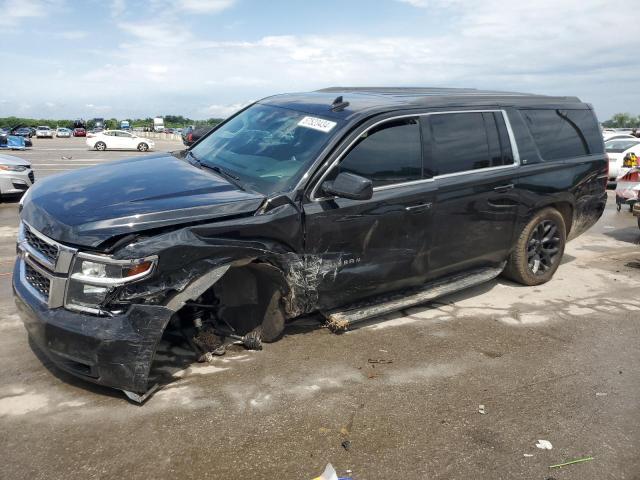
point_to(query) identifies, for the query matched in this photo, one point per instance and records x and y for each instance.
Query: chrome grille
(46, 249)
(38, 281)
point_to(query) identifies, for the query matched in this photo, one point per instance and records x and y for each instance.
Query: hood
(11, 160)
(85, 207)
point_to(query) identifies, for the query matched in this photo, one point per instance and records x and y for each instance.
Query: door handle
(422, 206)
(504, 188)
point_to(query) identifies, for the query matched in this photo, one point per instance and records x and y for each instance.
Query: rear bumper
(112, 351)
(587, 211)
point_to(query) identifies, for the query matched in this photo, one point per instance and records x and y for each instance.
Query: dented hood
(88, 206)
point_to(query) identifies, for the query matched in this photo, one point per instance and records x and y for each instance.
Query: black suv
(348, 202)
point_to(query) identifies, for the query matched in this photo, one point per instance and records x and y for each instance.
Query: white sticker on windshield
(316, 123)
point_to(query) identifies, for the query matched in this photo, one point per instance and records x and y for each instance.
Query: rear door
(358, 248)
(474, 162)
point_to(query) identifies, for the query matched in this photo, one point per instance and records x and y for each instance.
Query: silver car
(16, 175)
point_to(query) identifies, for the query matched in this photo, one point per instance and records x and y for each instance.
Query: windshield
(619, 146)
(268, 148)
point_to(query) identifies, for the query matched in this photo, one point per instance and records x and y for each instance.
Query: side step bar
(339, 320)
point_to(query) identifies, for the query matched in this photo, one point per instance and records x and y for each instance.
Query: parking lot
(398, 397)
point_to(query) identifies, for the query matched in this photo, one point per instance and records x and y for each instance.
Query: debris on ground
(544, 444)
(346, 444)
(380, 361)
(330, 474)
(632, 264)
(527, 455)
(481, 410)
(601, 394)
(571, 462)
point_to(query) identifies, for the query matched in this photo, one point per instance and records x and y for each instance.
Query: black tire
(100, 146)
(143, 147)
(538, 250)
(638, 222)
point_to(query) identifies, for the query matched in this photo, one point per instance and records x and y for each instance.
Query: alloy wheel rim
(543, 247)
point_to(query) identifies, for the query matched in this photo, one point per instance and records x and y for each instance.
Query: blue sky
(204, 58)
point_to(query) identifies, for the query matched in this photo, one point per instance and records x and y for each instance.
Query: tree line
(622, 120)
(170, 121)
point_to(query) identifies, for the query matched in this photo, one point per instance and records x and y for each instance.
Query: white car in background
(617, 149)
(63, 133)
(118, 140)
(44, 132)
(616, 136)
(16, 175)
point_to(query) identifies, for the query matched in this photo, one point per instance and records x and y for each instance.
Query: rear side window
(459, 142)
(387, 154)
(563, 133)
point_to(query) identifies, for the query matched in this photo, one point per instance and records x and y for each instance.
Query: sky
(207, 58)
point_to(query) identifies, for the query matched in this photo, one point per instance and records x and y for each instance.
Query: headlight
(93, 276)
(13, 168)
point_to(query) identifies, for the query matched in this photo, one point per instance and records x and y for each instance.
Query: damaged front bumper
(115, 351)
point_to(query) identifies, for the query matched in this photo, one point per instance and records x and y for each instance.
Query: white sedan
(44, 132)
(118, 140)
(617, 150)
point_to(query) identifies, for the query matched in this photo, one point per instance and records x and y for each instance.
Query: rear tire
(143, 147)
(101, 146)
(538, 250)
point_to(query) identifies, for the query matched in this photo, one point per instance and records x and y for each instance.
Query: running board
(339, 320)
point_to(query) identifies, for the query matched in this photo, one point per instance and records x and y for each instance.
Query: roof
(368, 100)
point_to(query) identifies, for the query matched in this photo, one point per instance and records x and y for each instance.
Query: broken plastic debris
(527, 455)
(330, 474)
(571, 462)
(544, 444)
(600, 394)
(481, 410)
(346, 444)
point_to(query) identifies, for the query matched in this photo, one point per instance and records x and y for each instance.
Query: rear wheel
(143, 147)
(101, 146)
(538, 250)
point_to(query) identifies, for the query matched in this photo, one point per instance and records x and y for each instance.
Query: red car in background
(79, 132)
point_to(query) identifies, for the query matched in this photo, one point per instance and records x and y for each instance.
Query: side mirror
(348, 185)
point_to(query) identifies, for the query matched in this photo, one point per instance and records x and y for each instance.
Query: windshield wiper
(219, 171)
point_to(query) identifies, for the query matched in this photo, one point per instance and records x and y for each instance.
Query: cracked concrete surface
(556, 362)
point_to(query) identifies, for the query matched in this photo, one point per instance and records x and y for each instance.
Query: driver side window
(386, 154)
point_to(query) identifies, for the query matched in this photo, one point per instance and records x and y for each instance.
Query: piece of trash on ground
(481, 410)
(544, 444)
(379, 360)
(601, 394)
(346, 444)
(527, 455)
(330, 474)
(571, 462)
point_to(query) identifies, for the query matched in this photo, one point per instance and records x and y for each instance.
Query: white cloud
(73, 34)
(12, 12)
(118, 7)
(205, 6)
(156, 34)
(223, 111)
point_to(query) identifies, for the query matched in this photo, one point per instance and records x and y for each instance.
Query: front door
(356, 249)
(476, 204)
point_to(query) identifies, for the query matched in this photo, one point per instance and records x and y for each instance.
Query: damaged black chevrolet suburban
(348, 202)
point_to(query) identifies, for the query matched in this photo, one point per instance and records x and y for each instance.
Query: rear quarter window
(561, 134)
